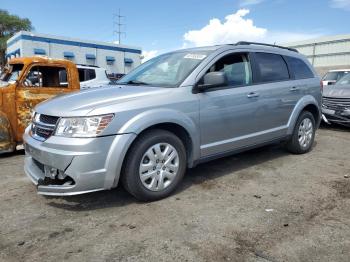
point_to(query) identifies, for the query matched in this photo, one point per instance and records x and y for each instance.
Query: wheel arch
(178, 123)
(173, 121)
(307, 103)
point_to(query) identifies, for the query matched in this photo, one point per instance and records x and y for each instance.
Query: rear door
(277, 94)
(41, 82)
(303, 79)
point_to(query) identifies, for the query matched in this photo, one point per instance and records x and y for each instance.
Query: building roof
(324, 39)
(25, 35)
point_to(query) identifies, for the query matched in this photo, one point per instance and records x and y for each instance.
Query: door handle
(252, 95)
(294, 88)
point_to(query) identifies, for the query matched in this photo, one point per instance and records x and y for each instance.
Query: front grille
(43, 126)
(51, 120)
(338, 104)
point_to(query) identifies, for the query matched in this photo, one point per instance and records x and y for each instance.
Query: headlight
(83, 126)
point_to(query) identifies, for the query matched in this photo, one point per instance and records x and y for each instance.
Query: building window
(110, 60)
(39, 51)
(128, 61)
(90, 57)
(68, 55)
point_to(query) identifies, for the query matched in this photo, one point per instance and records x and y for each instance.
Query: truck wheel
(155, 165)
(303, 135)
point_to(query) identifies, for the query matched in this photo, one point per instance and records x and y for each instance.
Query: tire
(161, 173)
(303, 137)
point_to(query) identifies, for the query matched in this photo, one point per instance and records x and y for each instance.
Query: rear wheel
(303, 135)
(154, 166)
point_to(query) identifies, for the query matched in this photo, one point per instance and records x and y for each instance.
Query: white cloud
(236, 27)
(343, 4)
(147, 55)
(244, 3)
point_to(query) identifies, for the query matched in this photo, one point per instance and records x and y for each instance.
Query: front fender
(144, 120)
(299, 107)
(7, 143)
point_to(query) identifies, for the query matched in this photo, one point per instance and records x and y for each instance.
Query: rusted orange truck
(25, 82)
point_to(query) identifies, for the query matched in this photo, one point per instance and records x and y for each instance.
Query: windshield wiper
(135, 82)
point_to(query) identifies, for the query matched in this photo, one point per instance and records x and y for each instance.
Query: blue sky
(159, 26)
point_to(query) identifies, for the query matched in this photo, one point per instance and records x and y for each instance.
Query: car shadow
(202, 174)
(335, 127)
(15, 153)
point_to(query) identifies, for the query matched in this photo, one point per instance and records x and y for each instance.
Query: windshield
(345, 80)
(11, 73)
(168, 70)
(334, 76)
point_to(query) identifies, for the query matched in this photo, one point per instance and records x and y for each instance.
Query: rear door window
(299, 68)
(271, 68)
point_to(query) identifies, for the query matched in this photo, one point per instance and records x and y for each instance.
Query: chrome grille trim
(336, 103)
(41, 130)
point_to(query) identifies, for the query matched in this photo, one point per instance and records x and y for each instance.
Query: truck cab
(24, 83)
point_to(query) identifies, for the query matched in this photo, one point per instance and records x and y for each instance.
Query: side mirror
(211, 80)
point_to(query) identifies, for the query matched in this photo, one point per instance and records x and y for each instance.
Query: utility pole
(118, 22)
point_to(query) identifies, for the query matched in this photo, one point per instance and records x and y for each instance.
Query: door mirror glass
(213, 79)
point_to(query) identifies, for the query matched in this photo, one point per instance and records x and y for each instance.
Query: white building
(117, 59)
(325, 53)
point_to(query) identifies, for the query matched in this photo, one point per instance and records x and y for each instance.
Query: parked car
(173, 112)
(92, 76)
(27, 81)
(332, 76)
(336, 102)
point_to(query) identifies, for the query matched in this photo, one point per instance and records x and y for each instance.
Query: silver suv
(171, 113)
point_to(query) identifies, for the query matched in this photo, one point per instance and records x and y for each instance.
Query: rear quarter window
(271, 68)
(299, 69)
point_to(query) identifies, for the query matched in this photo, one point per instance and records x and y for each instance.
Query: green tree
(9, 25)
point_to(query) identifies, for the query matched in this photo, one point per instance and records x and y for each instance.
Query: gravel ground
(263, 205)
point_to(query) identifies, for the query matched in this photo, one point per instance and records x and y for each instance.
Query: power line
(118, 22)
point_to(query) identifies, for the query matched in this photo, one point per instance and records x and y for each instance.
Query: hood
(337, 91)
(80, 103)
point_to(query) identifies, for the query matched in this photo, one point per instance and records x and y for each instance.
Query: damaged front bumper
(341, 117)
(69, 166)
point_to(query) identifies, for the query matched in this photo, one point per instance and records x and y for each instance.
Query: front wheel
(154, 166)
(303, 135)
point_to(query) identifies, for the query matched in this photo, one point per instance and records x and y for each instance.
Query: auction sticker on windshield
(195, 56)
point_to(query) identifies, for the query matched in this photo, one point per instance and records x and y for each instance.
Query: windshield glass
(334, 76)
(11, 73)
(345, 80)
(168, 70)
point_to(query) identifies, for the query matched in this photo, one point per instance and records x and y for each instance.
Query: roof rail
(256, 43)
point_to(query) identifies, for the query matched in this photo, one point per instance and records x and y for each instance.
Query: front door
(41, 82)
(229, 113)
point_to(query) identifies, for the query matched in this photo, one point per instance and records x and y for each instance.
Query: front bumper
(338, 117)
(92, 163)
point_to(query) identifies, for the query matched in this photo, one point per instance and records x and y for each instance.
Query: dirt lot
(263, 205)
